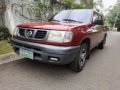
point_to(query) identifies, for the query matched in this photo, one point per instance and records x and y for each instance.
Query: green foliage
(72, 4)
(4, 33)
(41, 9)
(88, 4)
(82, 4)
(113, 17)
(40, 5)
(69, 2)
(77, 6)
(5, 47)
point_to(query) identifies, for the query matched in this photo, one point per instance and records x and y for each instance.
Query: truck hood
(52, 25)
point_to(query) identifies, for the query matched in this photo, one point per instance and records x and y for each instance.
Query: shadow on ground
(32, 66)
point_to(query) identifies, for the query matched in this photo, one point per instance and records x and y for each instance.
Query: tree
(73, 4)
(87, 4)
(113, 17)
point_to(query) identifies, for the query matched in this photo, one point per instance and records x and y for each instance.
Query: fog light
(53, 59)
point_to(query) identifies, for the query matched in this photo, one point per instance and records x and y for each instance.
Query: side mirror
(98, 22)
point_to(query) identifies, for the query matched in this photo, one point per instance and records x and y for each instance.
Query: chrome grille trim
(41, 33)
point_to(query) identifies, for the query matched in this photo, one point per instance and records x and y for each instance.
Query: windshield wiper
(71, 20)
(54, 20)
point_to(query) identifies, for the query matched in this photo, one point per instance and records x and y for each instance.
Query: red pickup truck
(66, 38)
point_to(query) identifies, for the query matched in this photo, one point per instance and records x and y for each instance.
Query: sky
(108, 3)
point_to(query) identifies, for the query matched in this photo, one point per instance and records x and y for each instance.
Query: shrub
(4, 33)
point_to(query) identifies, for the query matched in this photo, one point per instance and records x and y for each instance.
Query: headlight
(60, 36)
(15, 31)
(68, 36)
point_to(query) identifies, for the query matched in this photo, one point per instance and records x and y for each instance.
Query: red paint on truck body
(79, 30)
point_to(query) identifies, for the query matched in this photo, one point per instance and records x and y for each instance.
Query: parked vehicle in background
(66, 38)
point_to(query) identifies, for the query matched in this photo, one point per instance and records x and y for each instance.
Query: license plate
(26, 53)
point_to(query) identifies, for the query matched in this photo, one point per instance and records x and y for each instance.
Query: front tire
(78, 64)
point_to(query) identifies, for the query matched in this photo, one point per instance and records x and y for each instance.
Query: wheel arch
(87, 41)
(105, 34)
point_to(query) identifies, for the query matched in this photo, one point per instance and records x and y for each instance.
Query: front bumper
(43, 52)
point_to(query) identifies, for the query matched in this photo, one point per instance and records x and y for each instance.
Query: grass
(5, 47)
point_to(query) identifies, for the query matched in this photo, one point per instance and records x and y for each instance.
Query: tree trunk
(2, 12)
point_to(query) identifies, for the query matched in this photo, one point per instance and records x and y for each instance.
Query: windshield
(81, 16)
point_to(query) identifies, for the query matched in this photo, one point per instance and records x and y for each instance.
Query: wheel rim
(82, 57)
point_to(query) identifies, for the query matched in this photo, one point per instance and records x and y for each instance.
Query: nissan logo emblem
(29, 33)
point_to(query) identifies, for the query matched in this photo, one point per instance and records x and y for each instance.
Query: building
(21, 11)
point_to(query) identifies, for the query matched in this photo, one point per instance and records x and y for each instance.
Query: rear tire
(78, 64)
(101, 45)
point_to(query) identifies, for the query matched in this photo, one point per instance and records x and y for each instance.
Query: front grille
(22, 32)
(37, 34)
(40, 34)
